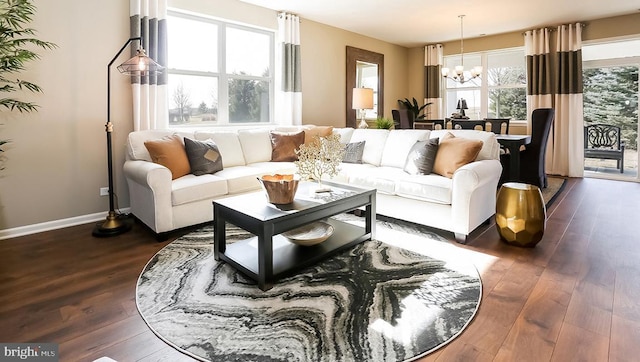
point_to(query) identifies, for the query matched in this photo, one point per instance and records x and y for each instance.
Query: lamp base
(363, 124)
(112, 226)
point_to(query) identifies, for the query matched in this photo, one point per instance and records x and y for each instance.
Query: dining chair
(467, 124)
(532, 158)
(497, 123)
(406, 118)
(395, 114)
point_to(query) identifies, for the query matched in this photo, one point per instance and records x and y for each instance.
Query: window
(500, 92)
(220, 73)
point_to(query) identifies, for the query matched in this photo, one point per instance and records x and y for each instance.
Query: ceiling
(414, 23)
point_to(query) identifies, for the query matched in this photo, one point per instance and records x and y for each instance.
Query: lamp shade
(462, 104)
(362, 98)
(140, 64)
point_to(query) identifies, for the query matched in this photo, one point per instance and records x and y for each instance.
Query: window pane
(506, 68)
(247, 52)
(248, 100)
(189, 52)
(470, 61)
(473, 102)
(193, 99)
(508, 103)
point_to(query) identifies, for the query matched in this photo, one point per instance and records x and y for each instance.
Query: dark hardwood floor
(575, 297)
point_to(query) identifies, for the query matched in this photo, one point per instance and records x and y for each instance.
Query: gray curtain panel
(148, 19)
(289, 95)
(433, 59)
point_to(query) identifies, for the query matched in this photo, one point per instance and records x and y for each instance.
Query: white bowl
(310, 234)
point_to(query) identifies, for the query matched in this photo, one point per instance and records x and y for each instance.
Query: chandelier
(458, 74)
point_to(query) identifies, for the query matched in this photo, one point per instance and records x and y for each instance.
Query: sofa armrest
(150, 193)
(474, 192)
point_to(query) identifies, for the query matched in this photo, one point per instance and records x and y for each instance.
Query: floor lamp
(139, 65)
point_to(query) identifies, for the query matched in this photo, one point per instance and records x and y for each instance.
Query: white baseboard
(54, 225)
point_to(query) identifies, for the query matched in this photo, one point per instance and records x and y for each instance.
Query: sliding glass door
(610, 76)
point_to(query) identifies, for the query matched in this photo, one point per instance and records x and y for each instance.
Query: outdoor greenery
(507, 102)
(16, 42)
(611, 97)
(245, 99)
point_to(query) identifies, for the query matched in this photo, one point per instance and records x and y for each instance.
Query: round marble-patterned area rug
(396, 298)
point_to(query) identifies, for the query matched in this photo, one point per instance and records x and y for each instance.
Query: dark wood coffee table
(270, 256)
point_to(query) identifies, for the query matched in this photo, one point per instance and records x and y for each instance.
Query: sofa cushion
(170, 153)
(136, 149)
(399, 143)
(256, 145)
(433, 188)
(192, 188)
(204, 156)
(284, 145)
(345, 134)
(490, 146)
(264, 168)
(316, 131)
(353, 152)
(421, 158)
(455, 152)
(374, 144)
(241, 178)
(229, 145)
(383, 179)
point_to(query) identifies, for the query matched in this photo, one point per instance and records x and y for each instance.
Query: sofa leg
(461, 238)
(162, 237)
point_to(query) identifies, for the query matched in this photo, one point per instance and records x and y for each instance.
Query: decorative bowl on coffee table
(310, 234)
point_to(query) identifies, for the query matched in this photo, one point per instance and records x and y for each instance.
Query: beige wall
(324, 72)
(56, 161)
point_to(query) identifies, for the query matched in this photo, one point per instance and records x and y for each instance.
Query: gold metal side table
(521, 215)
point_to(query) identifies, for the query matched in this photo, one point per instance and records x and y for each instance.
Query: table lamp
(362, 99)
(462, 105)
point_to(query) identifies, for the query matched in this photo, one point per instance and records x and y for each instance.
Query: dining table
(512, 144)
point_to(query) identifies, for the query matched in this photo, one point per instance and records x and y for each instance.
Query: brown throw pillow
(283, 146)
(317, 131)
(421, 157)
(169, 152)
(455, 152)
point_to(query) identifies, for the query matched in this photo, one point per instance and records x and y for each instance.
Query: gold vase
(521, 215)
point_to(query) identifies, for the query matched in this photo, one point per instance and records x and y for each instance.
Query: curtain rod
(554, 27)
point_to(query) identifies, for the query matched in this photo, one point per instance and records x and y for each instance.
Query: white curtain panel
(567, 154)
(433, 60)
(150, 105)
(539, 83)
(288, 78)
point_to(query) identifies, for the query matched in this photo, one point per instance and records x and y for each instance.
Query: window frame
(483, 87)
(223, 78)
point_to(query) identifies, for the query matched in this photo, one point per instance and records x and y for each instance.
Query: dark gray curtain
(148, 19)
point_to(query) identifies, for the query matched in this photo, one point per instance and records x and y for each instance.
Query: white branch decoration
(320, 157)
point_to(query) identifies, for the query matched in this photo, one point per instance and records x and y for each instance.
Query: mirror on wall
(365, 69)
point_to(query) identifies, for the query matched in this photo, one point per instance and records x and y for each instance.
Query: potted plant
(414, 108)
(16, 42)
(384, 123)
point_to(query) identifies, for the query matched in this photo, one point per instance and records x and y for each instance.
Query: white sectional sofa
(458, 204)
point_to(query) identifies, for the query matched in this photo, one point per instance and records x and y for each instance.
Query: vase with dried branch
(320, 157)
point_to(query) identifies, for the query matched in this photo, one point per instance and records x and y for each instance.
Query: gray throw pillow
(421, 157)
(353, 152)
(204, 156)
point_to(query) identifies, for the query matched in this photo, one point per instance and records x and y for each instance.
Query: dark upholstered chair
(496, 125)
(396, 118)
(532, 158)
(404, 118)
(466, 124)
